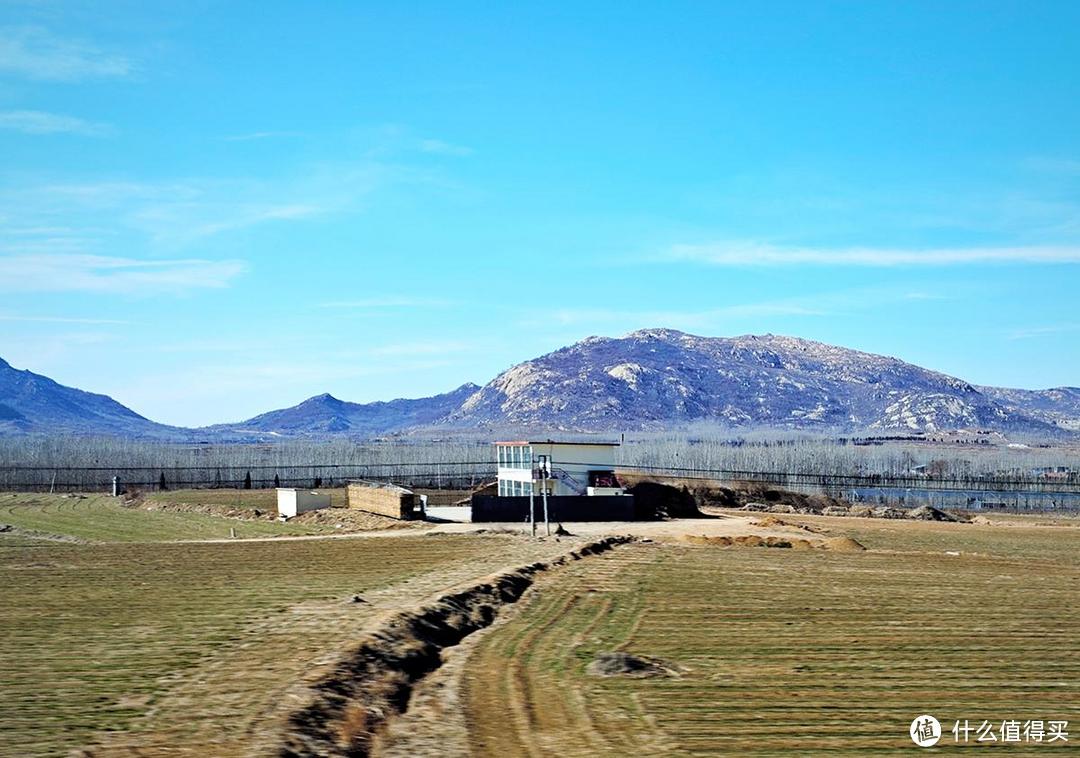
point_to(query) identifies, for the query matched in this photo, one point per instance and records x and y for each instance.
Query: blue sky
(208, 210)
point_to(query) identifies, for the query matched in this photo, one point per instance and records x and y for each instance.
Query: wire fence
(450, 475)
(1015, 494)
(794, 479)
(972, 491)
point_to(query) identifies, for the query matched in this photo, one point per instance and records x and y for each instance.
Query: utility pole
(532, 499)
(544, 472)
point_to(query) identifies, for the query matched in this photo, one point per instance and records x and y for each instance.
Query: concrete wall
(384, 499)
(291, 502)
(565, 509)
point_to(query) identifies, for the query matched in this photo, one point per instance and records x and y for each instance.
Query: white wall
(291, 502)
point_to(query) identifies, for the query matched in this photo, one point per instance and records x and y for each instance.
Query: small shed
(291, 502)
(384, 499)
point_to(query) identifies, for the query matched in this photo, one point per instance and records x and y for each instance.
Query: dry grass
(787, 651)
(98, 518)
(163, 648)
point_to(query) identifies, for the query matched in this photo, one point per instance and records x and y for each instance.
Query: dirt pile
(209, 509)
(489, 488)
(835, 544)
(922, 513)
(930, 513)
(348, 703)
(618, 663)
(754, 496)
(843, 545)
(352, 520)
(655, 500)
(771, 522)
(749, 540)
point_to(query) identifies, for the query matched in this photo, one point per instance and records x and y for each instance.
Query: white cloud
(36, 53)
(438, 147)
(40, 122)
(95, 273)
(762, 254)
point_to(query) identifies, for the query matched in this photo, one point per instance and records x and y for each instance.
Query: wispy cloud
(1023, 333)
(727, 317)
(240, 216)
(40, 122)
(438, 147)
(252, 136)
(95, 273)
(60, 320)
(389, 301)
(1053, 165)
(741, 253)
(432, 347)
(172, 215)
(36, 53)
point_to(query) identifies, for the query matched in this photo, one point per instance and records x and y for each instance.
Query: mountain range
(652, 379)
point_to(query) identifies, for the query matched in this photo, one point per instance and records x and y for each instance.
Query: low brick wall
(384, 499)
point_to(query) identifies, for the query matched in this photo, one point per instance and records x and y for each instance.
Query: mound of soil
(618, 663)
(843, 545)
(750, 540)
(930, 513)
(352, 520)
(717, 497)
(769, 521)
(701, 539)
(653, 500)
(773, 521)
(488, 488)
(888, 512)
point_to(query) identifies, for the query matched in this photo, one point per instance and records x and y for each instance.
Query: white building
(573, 468)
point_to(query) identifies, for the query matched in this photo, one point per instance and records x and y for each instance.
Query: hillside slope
(655, 378)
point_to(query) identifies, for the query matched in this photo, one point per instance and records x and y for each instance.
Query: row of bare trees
(81, 463)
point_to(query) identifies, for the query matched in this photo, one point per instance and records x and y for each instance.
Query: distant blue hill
(35, 404)
(326, 416)
(653, 379)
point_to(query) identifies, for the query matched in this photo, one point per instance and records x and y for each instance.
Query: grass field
(98, 518)
(158, 648)
(781, 650)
